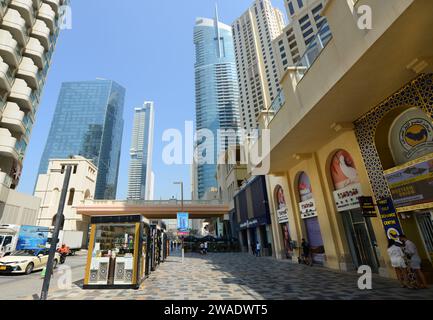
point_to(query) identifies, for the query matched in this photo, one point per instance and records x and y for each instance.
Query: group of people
(407, 263)
(203, 248)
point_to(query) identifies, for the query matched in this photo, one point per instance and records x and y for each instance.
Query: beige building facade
(81, 187)
(363, 130)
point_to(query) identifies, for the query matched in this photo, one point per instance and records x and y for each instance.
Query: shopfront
(307, 207)
(358, 228)
(118, 252)
(401, 164)
(283, 221)
(252, 208)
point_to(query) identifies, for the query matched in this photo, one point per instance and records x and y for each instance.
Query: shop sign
(389, 218)
(308, 209)
(412, 183)
(347, 198)
(283, 215)
(249, 224)
(368, 207)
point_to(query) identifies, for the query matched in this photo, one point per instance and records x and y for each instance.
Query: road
(24, 286)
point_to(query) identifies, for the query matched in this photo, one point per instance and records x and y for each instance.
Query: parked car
(26, 261)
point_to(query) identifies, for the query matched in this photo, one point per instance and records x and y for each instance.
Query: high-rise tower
(140, 184)
(217, 93)
(88, 121)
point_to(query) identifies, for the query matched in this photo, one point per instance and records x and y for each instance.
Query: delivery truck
(21, 237)
(72, 239)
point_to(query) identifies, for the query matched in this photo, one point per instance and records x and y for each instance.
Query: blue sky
(147, 47)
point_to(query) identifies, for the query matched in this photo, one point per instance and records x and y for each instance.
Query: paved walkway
(241, 276)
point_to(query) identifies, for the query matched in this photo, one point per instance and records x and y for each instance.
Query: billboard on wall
(412, 184)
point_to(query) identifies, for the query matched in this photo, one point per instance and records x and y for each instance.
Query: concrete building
(81, 187)
(258, 74)
(88, 121)
(217, 96)
(305, 22)
(231, 175)
(372, 137)
(28, 36)
(140, 184)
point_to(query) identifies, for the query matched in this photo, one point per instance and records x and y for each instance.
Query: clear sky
(147, 47)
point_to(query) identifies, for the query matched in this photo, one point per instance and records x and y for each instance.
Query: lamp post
(181, 206)
(58, 226)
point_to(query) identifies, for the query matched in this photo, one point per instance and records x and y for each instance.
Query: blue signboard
(32, 238)
(389, 218)
(183, 222)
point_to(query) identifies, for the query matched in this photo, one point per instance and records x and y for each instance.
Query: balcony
(316, 46)
(16, 25)
(3, 7)
(9, 49)
(22, 95)
(35, 51)
(30, 73)
(6, 76)
(345, 78)
(47, 15)
(41, 32)
(5, 180)
(13, 119)
(7, 144)
(26, 10)
(54, 4)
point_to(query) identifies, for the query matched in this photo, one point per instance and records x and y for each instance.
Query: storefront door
(426, 227)
(315, 239)
(360, 238)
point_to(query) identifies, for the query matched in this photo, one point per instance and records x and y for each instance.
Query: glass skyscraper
(88, 121)
(140, 182)
(217, 93)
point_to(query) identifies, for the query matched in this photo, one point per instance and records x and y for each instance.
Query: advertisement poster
(183, 223)
(32, 238)
(304, 187)
(283, 220)
(389, 218)
(412, 185)
(282, 212)
(343, 170)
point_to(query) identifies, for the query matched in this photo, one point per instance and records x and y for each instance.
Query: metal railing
(152, 203)
(5, 179)
(314, 49)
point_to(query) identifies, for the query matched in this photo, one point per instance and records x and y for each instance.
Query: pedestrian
(202, 248)
(253, 249)
(258, 248)
(412, 254)
(205, 247)
(306, 253)
(396, 255)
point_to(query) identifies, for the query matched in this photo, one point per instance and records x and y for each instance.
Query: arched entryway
(283, 221)
(307, 207)
(358, 229)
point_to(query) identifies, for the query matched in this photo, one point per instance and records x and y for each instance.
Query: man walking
(258, 248)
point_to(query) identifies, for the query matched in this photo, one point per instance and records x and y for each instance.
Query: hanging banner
(183, 223)
(389, 218)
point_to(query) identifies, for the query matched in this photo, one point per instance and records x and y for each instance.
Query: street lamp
(181, 205)
(181, 192)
